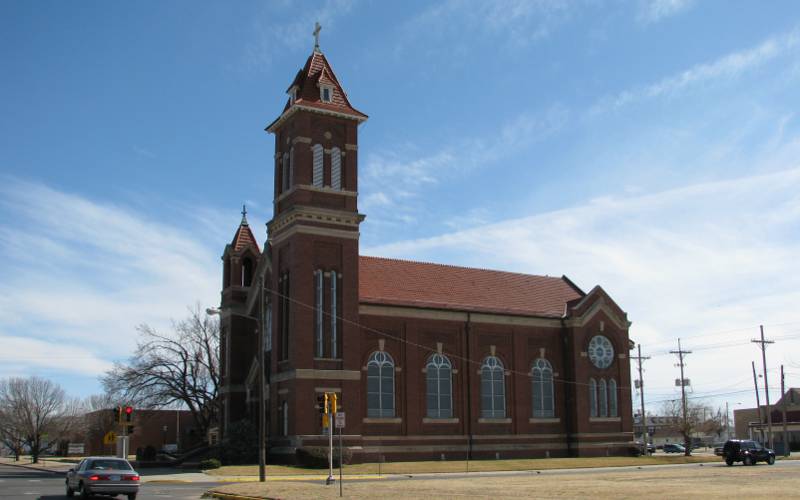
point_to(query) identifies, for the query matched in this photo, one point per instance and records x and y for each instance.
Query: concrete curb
(230, 496)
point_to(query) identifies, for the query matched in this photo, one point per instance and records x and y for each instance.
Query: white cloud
(79, 275)
(708, 257)
(726, 67)
(28, 356)
(653, 11)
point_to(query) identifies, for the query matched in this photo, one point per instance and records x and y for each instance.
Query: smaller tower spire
(317, 29)
(244, 215)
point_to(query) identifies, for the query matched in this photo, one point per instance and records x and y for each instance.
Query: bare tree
(35, 412)
(688, 426)
(98, 418)
(11, 434)
(169, 370)
(715, 423)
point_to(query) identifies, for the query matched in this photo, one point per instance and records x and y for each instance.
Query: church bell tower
(314, 236)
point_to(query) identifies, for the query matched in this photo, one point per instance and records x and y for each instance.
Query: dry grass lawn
(709, 481)
(463, 466)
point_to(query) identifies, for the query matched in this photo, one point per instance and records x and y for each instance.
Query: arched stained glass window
(380, 385)
(612, 398)
(439, 387)
(542, 381)
(493, 388)
(592, 398)
(603, 397)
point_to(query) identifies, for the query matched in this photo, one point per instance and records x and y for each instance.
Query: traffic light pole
(330, 448)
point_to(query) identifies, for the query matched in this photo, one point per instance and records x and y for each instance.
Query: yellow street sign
(110, 437)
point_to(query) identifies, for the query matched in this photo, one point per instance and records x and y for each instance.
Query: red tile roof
(437, 286)
(317, 71)
(244, 238)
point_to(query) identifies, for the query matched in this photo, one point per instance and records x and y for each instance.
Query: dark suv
(746, 451)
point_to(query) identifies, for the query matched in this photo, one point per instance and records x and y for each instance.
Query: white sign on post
(340, 420)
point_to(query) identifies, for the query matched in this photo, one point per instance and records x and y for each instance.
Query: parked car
(104, 476)
(674, 448)
(746, 451)
(650, 447)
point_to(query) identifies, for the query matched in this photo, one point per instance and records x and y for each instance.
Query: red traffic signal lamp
(128, 414)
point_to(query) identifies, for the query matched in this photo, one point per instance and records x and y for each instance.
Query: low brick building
(749, 423)
(155, 428)
(431, 361)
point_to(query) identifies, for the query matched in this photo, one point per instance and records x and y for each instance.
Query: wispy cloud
(653, 11)
(79, 275)
(284, 25)
(449, 26)
(146, 153)
(393, 177)
(726, 67)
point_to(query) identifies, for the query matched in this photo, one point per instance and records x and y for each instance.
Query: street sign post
(340, 425)
(75, 449)
(110, 437)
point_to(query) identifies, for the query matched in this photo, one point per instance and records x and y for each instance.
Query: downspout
(570, 407)
(468, 367)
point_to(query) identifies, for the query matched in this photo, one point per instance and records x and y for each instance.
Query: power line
(723, 332)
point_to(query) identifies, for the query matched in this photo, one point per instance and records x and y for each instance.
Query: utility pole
(763, 343)
(645, 438)
(262, 411)
(783, 416)
(680, 352)
(727, 423)
(758, 402)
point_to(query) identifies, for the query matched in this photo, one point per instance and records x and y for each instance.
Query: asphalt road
(20, 483)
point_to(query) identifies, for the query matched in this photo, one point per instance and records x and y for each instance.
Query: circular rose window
(601, 352)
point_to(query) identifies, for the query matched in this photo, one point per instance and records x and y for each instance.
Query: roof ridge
(453, 266)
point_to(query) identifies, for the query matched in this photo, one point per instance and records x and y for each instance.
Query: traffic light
(116, 414)
(322, 403)
(334, 399)
(128, 414)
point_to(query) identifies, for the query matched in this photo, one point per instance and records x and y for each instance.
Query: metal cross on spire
(244, 215)
(317, 29)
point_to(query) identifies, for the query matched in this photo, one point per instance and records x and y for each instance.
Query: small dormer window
(326, 94)
(292, 95)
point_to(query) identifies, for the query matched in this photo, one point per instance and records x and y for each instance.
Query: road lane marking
(34, 480)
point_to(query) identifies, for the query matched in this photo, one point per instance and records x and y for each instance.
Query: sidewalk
(43, 465)
(147, 475)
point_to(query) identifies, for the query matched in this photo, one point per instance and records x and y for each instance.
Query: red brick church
(430, 361)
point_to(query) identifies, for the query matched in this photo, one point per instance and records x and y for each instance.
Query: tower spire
(317, 29)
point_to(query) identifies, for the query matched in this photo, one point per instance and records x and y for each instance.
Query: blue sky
(650, 147)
